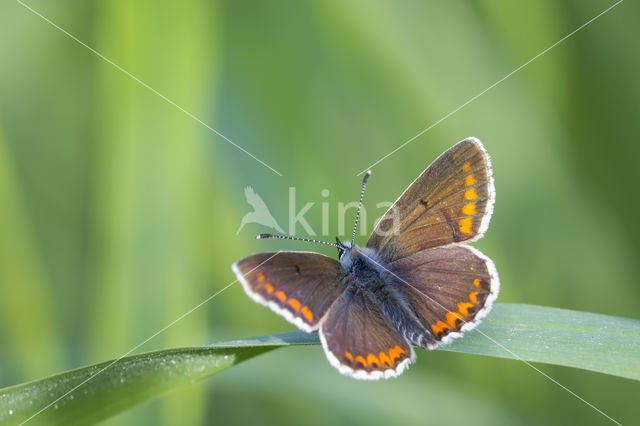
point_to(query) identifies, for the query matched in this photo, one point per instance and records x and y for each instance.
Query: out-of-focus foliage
(118, 212)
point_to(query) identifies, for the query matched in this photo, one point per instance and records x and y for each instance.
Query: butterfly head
(344, 248)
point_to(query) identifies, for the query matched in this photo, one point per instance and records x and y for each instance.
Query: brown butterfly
(415, 282)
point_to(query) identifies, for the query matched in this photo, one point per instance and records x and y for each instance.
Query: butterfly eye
(341, 247)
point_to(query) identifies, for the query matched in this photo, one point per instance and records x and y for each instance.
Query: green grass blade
(130, 381)
(601, 343)
(595, 342)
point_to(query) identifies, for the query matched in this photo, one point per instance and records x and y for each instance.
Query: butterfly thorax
(364, 266)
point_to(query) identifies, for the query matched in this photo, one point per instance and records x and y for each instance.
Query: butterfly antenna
(364, 185)
(286, 237)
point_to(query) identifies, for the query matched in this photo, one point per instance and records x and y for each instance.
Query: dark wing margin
(360, 341)
(450, 289)
(300, 286)
(451, 201)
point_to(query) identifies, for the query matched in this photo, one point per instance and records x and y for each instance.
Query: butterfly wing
(451, 201)
(360, 341)
(300, 286)
(448, 288)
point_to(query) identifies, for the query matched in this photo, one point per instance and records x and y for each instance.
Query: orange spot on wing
(294, 303)
(307, 313)
(476, 282)
(260, 277)
(372, 359)
(469, 208)
(469, 180)
(452, 317)
(463, 306)
(385, 358)
(466, 166)
(269, 288)
(470, 194)
(281, 296)
(396, 352)
(361, 360)
(464, 225)
(473, 297)
(349, 356)
(439, 326)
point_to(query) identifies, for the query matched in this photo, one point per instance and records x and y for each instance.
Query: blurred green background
(118, 212)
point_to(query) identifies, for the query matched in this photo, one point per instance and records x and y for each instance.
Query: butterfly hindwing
(451, 201)
(300, 286)
(448, 288)
(360, 341)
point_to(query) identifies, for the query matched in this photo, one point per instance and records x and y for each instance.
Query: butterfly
(416, 282)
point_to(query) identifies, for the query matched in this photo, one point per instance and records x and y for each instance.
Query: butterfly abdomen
(396, 308)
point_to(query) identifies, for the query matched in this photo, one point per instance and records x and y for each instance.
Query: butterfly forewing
(451, 201)
(360, 341)
(300, 286)
(448, 288)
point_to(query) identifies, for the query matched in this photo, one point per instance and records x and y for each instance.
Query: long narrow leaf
(595, 342)
(589, 341)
